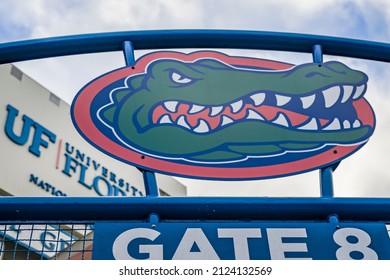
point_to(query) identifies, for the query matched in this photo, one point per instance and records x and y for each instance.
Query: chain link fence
(35, 241)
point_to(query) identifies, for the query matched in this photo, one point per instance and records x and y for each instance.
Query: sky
(363, 174)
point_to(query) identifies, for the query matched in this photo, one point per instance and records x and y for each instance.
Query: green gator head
(209, 111)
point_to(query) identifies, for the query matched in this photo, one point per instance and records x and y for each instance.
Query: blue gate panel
(241, 240)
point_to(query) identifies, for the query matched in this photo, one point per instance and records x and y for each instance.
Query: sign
(210, 115)
(240, 241)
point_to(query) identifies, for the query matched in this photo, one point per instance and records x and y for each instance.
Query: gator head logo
(210, 115)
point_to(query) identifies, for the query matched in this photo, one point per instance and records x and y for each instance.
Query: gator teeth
(346, 124)
(359, 91)
(334, 125)
(258, 98)
(171, 106)
(356, 124)
(253, 115)
(226, 120)
(331, 95)
(182, 122)
(282, 100)
(311, 125)
(347, 92)
(236, 106)
(307, 101)
(165, 119)
(216, 110)
(281, 120)
(202, 127)
(195, 109)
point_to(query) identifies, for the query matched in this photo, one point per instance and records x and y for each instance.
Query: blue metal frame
(221, 208)
(162, 39)
(193, 208)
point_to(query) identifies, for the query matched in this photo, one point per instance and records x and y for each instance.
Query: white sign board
(42, 154)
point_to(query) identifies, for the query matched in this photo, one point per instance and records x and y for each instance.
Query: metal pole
(128, 51)
(326, 180)
(192, 208)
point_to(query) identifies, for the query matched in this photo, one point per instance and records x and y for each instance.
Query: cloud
(44, 18)
(362, 174)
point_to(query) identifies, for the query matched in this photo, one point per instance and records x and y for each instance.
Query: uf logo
(211, 115)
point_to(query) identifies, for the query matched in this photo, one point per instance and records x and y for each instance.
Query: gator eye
(180, 79)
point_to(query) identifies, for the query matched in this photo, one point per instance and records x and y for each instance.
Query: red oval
(83, 122)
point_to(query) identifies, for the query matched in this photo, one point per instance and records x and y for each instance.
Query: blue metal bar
(128, 51)
(162, 39)
(317, 54)
(151, 188)
(326, 180)
(192, 208)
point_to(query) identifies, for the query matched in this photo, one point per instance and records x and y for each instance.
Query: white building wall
(68, 166)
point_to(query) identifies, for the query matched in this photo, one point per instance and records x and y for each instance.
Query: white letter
(276, 246)
(119, 248)
(195, 236)
(240, 239)
(361, 245)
